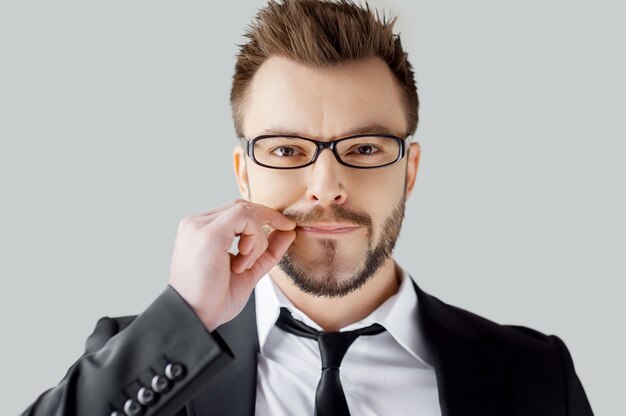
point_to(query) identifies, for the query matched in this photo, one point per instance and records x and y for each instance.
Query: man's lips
(328, 228)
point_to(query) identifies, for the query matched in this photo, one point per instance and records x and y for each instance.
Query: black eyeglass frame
(320, 145)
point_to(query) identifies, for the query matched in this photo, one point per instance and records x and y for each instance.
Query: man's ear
(241, 172)
(413, 161)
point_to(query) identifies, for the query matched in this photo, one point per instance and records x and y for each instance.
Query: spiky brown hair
(321, 33)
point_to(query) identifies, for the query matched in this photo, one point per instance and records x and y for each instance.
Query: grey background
(115, 123)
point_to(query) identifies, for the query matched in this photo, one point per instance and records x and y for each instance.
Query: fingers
(278, 243)
(252, 243)
(251, 247)
(273, 218)
(247, 221)
(246, 244)
(246, 280)
(241, 208)
(258, 264)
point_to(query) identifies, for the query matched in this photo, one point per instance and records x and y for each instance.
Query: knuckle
(241, 203)
(243, 207)
(190, 224)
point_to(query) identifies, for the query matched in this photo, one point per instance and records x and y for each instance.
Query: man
(312, 315)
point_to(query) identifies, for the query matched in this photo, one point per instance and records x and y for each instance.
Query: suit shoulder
(511, 337)
(539, 364)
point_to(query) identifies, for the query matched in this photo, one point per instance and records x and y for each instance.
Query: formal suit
(482, 368)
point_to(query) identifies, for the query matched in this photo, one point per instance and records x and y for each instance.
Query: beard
(322, 280)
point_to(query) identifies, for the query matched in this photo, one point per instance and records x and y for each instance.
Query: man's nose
(325, 184)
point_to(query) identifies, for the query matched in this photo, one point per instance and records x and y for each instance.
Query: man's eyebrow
(365, 129)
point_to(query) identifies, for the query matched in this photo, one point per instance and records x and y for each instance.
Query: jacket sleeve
(161, 358)
(577, 402)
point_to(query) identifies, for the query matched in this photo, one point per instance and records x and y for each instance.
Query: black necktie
(329, 397)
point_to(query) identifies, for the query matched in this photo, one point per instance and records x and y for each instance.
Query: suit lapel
(472, 374)
(233, 391)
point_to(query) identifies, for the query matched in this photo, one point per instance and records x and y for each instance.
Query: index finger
(273, 218)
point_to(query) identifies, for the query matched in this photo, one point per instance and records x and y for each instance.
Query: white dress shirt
(386, 374)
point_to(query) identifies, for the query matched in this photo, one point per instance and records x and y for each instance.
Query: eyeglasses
(361, 151)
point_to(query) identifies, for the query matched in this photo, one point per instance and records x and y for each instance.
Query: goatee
(327, 284)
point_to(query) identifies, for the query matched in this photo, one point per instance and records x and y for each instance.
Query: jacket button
(174, 371)
(132, 408)
(160, 383)
(146, 396)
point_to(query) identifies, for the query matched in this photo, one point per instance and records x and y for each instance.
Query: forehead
(323, 102)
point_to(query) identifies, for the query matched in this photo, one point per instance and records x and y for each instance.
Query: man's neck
(332, 314)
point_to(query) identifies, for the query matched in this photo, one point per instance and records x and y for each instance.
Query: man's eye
(365, 149)
(284, 151)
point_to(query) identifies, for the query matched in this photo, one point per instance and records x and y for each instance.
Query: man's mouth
(328, 228)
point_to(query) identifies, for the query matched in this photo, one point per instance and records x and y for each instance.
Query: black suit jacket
(482, 368)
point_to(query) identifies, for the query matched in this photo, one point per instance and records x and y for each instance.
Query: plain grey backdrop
(115, 123)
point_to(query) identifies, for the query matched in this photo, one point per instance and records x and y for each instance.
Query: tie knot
(333, 345)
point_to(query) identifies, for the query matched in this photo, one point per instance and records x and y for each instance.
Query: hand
(216, 283)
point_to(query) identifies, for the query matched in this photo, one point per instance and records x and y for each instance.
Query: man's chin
(323, 281)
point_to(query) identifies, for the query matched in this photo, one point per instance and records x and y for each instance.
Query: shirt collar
(399, 314)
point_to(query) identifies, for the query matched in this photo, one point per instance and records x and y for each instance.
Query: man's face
(348, 219)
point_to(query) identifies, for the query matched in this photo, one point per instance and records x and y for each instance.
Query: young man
(312, 315)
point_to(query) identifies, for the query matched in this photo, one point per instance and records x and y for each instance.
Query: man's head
(324, 71)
